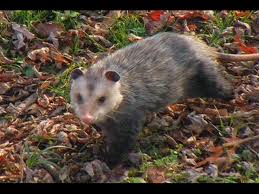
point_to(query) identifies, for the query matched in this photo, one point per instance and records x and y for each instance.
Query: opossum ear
(112, 76)
(76, 73)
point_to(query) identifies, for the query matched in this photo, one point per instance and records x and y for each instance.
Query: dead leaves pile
(37, 126)
(31, 119)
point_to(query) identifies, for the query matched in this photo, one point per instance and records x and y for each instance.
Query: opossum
(117, 92)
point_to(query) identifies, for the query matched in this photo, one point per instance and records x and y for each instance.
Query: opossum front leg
(121, 138)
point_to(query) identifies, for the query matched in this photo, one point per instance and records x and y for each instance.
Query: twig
(255, 152)
(171, 140)
(242, 141)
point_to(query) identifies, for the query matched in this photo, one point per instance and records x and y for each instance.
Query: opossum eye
(101, 99)
(79, 98)
(76, 73)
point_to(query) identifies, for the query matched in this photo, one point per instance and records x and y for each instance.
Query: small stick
(242, 141)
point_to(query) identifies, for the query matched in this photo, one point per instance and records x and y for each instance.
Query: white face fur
(98, 101)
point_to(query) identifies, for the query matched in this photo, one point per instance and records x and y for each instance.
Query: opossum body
(118, 91)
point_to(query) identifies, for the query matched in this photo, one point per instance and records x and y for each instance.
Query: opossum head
(95, 93)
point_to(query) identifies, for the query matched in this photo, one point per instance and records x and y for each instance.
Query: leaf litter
(197, 140)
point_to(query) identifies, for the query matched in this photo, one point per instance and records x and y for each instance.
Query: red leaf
(248, 50)
(243, 47)
(242, 13)
(155, 15)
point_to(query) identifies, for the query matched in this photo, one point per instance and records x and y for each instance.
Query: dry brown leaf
(177, 107)
(210, 112)
(219, 161)
(204, 143)
(45, 29)
(217, 151)
(48, 83)
(43, 101)
(26, 103)
(40, 54)
(101, 40)
(134, 38)
(185, 15)
(4, 59)
(156, 175)
(190, 161)
(4, 87)
(199, 124)
(20, 36)
(18, 94)
(23, 30)
(192, 27)
(46, 55)
(242, 13)
(3, 18)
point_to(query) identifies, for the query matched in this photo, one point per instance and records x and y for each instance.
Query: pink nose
(88, 119)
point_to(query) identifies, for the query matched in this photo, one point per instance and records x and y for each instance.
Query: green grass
(120, 30)
(43, 156)
(214, 29)
(76, 46)
(135, 180)
(29, 17)
(69, 19)
(208, 179)
(170, 163)
(164, 162)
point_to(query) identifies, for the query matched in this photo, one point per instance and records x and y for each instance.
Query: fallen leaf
(134, 38)
(154, 25)
(255, 25)
(156, 15)
(243, 47)
(217, 151)
(199, 124)
(23, 30)
(4, 87)
(178, 107)
(46, 55)
(185, 15)
(2, 110)
(190, 161)
(245, 26)
(192, 27)
(18, 41)
(46, 29)
(219, 161)
(53, 39)
(242, 13)
(26, 103)
(212, 170)
(156, 175)
(4, 59)
(101, 40)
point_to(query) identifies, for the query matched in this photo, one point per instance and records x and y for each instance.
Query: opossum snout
(88, 119)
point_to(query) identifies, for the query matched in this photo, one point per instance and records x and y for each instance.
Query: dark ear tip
(112, 76)
(76, 73)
